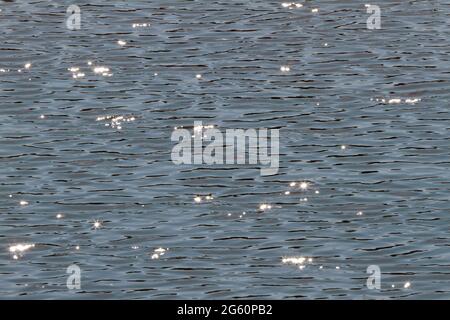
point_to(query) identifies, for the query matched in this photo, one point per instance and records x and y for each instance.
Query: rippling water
(77, 187)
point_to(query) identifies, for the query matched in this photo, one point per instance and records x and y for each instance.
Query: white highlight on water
(140, 25)
(104, 71)
(116, 121)
(21, 247)
(291, 5)
(157, 253)
(299, 261)
(293, 260)
(264, 207)
(97, 224)
(411, 101)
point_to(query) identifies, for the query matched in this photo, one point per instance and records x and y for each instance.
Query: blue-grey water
(363, 116)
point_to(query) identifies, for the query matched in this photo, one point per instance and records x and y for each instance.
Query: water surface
(58, 155)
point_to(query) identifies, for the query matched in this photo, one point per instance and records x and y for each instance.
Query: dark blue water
(341, 90)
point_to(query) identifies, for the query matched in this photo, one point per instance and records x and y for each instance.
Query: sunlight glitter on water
(293, 260)
(264, 207)
(102, 70)
(101, 170)
(157, 253)
(198, 130)
(140, 25)
(200, 199)
(76, 73)
(397, 100)
(299, 261)
(97, 224)
(116, 121)
(412, 101)
(291, 5)
(303, 185)
(19, 249)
